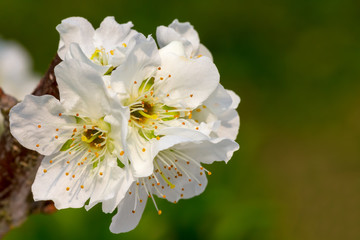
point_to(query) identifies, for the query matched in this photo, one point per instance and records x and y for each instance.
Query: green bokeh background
(295, 65)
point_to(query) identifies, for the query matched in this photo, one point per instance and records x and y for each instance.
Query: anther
(73, 176)
(133, 211)
(67, 162)
(82, 186)
(77, 114)
(51, 161)
(67, 174)
(101, 173)
(39, 126)
(60, 114)
(159, 212)
(129, 193)
(135, 82)
(159, 68)
(209, 173)
(161, 78)
(191, 95)
(67, 189)
(56, 137)
(143, 149)
(45, 170)
(124, 45)
(122, 153)
(37, 145)
(57, 129)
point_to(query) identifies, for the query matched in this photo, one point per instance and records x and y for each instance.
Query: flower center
(101, 57)
(95, 138)
(147, 112)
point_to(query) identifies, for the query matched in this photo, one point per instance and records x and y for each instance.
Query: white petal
(141, 63)
(110, 188)
(190, 183)
(219, 101)
(140, 153)
(75, 52)
(191, 81)
(187, 31)
(166, 35)
(235, 99)
(125, 220)
(118, 119)
(123, 185)
(82, 89)
(70, 184)
(230, 123)
(111, 34)
(34, 121)
(78, 30)
(209, 151)
(204, 52)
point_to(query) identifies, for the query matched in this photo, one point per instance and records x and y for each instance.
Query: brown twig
(18, 165)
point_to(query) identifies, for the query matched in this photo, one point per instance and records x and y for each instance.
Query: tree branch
(18, 165)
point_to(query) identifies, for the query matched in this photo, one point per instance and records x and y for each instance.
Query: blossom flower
(178, 174)
(185, 33)
(161, 97)
(16, 76)
(81, 137)
(219, 109)
(105, 48)
(160, 94)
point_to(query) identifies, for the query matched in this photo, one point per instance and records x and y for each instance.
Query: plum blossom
(178, 174)
(105, 48)
(219, 109)
(16, 76)
(160, 94)
(81, 136)
(165, 145)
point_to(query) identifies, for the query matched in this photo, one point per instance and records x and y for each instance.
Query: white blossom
(178, 175)
(161, 89)
(105, 48)
(219, 109)
(81, 136)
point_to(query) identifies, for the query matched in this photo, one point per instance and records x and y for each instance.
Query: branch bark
(18, 165)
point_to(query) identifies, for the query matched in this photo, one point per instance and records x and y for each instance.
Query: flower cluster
(134, 121)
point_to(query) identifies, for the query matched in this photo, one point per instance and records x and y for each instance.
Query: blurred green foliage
(295, 65)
